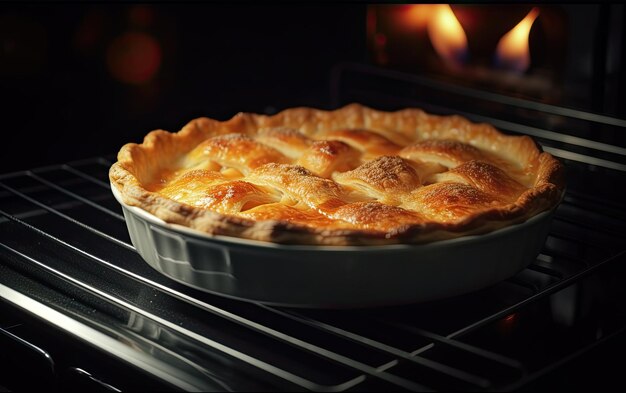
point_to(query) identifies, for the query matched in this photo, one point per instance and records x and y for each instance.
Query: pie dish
(352, 176)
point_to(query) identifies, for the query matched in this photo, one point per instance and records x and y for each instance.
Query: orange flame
(418, 15)
(447, 35)
(512, 51)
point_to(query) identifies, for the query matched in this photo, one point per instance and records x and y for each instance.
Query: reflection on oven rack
(68, 210)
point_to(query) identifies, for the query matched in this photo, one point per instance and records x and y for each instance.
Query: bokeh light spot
(134, 58)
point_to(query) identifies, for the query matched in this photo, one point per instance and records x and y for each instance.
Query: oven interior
(79, 309)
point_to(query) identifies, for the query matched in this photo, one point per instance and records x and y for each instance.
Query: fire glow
(512, 52)
(447, 35)
(450, 40)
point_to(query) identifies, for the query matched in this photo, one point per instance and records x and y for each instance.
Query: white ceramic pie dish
(333, 276)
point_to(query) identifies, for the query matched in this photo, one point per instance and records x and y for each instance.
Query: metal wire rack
(65, 255)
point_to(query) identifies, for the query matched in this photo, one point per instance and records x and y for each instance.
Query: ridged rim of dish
(237, 241)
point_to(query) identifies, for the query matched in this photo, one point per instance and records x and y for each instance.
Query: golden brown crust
(484, 177)
(325, 157)
(384, 178)
(350, 176)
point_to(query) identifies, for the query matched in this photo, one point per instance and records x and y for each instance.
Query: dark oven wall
(81, 80)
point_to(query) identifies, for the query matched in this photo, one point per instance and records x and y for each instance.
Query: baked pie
(352, 176)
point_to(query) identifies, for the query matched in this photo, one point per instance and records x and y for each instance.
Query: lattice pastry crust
(345, 177)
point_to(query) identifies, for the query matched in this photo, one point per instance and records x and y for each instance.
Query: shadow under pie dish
(345, 184)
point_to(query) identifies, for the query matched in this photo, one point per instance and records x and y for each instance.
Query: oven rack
(67, 257)
(580, 137)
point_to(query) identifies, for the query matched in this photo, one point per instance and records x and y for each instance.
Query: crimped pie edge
(160, 149)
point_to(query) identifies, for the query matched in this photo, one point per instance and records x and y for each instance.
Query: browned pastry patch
(288, 141)
(484, 177)
(447, 202)
(446, 152)
(368, 142)
(237, 151)
(385, 178)
(377, 216)
(325, 157)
